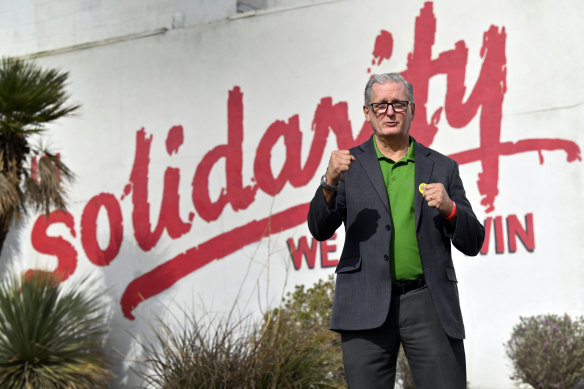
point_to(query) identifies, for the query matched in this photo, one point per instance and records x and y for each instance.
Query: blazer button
(387, 227)
(386, 257)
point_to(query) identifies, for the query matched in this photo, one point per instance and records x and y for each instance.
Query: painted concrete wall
(33, 26)
(218, 126)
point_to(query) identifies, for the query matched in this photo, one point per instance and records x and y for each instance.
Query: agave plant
(51, 336)
(30, 98)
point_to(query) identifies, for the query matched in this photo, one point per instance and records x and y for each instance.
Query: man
(402, 205)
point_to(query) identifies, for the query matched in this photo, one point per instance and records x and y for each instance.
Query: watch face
(325, 185)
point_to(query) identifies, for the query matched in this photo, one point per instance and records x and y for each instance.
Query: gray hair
(385, 78)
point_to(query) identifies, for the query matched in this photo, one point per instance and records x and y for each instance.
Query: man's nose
(390, 111)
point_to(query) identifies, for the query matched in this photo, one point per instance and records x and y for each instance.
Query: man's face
(391, 123)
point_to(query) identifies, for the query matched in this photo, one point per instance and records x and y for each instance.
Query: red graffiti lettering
(236, 194)
(262, 167)
(89, 241)
(165, 275)
(494, 225)
(485, 99)
(487, 94)
(382, 49)
(57, 246)
(174, 139)
(169, 213)
(35, 167)
(488, 226)
(303, 250)
(515, 230)
(325, 249)
(499, 238)
(327, 117)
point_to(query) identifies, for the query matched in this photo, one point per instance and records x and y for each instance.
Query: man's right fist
(338, 164)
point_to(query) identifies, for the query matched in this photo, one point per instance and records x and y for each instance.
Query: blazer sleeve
(322, 220)
(468, 233)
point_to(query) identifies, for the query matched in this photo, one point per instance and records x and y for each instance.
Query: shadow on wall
(127, 336)
(12, 249)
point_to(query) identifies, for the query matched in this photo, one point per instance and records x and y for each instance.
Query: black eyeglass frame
(373, 105)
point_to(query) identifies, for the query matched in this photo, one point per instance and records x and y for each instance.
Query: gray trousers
(436, 360)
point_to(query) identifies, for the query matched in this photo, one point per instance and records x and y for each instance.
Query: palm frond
(9, 195)
(31, 97)
(52, 175)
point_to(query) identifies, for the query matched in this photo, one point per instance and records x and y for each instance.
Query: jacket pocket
(451, 274)
(349, 264)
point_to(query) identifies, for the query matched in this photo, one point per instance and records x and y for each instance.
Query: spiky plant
(51, 336)
(30, 98)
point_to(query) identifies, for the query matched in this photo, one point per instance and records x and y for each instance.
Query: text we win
(304, 249)
(502, 234)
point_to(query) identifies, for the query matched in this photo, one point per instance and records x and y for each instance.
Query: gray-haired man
(402, 204)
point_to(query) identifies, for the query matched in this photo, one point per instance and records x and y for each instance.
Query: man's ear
(413, 108)
(366, 112)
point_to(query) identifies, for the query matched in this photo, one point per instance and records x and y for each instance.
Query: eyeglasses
(397, 106)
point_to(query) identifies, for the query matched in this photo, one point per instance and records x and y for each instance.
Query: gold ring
(431, 198)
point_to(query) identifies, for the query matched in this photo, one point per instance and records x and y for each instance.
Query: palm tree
(30, 98)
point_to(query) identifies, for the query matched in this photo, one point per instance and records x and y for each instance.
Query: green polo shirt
(399, 180)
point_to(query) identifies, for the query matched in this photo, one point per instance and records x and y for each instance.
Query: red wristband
(453, 211)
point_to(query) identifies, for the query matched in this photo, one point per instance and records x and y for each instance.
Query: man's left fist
(436, 197)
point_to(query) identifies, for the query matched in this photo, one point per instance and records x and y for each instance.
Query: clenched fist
(436, 197)
(338, 164)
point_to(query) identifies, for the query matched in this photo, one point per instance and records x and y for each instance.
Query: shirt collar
(410, 156)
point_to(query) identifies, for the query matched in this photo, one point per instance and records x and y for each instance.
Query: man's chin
(392, 132)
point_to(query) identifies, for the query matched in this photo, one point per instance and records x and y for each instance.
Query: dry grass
(291, 347)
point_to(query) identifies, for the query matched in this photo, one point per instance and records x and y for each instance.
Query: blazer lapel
(423, 173)
(368, 158)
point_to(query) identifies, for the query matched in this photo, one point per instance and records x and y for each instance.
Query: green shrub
(291, 347)
(547, 351)
(301, 325)
(311, 310)
(51, 337)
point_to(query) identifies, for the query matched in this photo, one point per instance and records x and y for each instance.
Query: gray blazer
(363, 285)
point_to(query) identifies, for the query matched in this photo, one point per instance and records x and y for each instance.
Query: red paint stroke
(510, 148)
(94, 253)
(57, 246)
(487, 94)
(383, 47)
(239, 196)
(164, 276)
(34, 167)
(169, 217)
(485, 99)
(127, 191)
(174, 139)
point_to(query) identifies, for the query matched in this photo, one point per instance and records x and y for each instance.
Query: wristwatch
(323, 184)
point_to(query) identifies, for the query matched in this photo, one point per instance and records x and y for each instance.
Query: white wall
(33, 26)
(285, 63)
